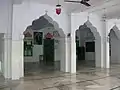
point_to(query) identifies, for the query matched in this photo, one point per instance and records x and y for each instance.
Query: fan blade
(85, 0)
(74, 1)
(85, 3)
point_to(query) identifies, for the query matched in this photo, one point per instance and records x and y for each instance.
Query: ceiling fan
(84, 2)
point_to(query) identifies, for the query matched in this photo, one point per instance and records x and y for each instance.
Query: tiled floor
(84, 79)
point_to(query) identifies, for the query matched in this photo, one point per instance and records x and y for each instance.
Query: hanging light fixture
(58, 8)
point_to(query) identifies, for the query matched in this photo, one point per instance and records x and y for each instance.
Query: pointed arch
(97, 36)
(116, 30)
(44, 22)
(114, 43)
(93, 29)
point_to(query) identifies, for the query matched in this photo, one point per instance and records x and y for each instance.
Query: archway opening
(88, 47)
(43, 46)
(85, 48)
(114, 43)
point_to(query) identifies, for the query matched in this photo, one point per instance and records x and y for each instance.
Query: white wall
(4, 16)
(6, 27)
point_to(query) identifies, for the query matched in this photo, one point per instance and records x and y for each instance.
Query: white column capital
(106, 39)
(7, 36)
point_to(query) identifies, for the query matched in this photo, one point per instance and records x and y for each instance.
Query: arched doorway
(43, 46)
(114, 40)
(88, 47)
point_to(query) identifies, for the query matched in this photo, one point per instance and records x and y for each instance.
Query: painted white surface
(4, 16)
(17, 59)
(6, 27)
(37, 50)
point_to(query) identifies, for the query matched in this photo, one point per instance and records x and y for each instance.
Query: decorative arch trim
(93, 29)
(43, 22)
(116, 30)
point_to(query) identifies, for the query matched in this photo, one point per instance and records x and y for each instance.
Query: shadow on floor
(32, 68)
(85, 64)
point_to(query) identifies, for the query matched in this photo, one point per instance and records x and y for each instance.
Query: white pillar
(105, 46)
(73, 53)
(72, 48)
(21, 62)
(69, 63)
(17, 58)
(66, 65)
(65, 54)
(98, 53)
(7, 57)
(8, 39)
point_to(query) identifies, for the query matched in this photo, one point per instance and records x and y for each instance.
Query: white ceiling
(97, 6)
(69, 6)
(111, 9)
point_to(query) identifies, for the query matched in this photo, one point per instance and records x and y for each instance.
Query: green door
(48, 51)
